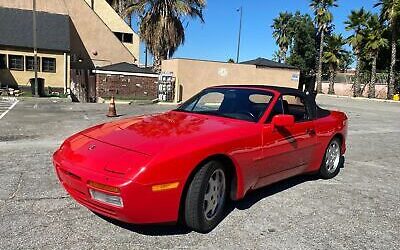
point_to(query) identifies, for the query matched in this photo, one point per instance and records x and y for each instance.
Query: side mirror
(283, 120)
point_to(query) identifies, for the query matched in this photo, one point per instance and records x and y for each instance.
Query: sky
(216, 38)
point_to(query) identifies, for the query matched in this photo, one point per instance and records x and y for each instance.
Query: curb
(130, 102)
(360, 98)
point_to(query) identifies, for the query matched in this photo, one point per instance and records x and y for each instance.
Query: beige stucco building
(57, 77)
(94, 36)
(191, 76)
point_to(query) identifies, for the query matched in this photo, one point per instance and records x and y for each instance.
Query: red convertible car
(186, 163)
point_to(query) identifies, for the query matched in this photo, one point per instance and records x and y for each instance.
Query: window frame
(44, 69)
(10, 58)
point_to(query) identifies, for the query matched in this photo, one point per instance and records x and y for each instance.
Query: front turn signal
(165, 186)
(104, 187)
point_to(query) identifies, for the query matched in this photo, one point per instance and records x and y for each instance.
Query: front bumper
(141, 205)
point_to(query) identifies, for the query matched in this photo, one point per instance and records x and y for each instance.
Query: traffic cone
(112, 112)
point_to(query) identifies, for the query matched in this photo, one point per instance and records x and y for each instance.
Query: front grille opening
(71, 174)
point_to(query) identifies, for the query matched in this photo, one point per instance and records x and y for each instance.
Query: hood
(100, 157)
(150, 134)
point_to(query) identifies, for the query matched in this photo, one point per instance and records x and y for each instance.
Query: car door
(287, 151)
(303, 131)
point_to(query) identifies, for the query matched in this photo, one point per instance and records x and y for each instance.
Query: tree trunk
(157, 64)
(332, 74)
(129, 20)
(319, 70)
(371, 89)
(284, 52)
(392, 76)
(157, 61)
(357, 85)
(120, 7)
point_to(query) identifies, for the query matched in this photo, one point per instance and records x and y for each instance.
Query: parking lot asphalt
(359, 209)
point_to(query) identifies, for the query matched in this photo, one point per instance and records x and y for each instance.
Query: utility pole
(145, 54)
(240, 33)
(35, 64)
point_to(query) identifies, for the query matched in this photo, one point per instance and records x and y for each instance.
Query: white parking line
(7, 106)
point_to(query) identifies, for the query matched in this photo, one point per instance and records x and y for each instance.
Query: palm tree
(374, 42)
(323, 19)
(277, 56)
(120, 7)
(161, 27)
(282, 27)
(390, 12)
(333, 55)
(357, 22)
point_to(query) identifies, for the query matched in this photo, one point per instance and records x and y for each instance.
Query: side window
(209, 102)
(296, 106)
(276, 110)
(259, 103)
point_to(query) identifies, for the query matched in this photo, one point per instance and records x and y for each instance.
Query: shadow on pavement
(248, 201)
(150, 229)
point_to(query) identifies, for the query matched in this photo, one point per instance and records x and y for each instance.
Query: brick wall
(132, 87)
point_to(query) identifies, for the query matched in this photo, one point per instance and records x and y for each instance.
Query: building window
(29, 65)
(3, 61)
(118, 35)
(128, 38)
(49, 65)
(16, 62)
(124, 37)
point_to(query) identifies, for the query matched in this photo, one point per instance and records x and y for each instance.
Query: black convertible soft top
(309, 98)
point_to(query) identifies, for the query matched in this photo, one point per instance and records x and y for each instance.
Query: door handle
(311, 131)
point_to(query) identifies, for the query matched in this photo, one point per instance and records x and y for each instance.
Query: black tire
(194, 212)
(325, 172)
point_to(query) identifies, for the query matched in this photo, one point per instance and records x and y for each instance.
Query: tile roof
(53, 30)
(263, 62)
(126, 68)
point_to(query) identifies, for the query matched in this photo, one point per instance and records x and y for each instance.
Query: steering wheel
(248, 113)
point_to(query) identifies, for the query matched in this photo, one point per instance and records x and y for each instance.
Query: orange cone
(112, 112)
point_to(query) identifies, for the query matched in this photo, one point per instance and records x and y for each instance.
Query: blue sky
(216, 39)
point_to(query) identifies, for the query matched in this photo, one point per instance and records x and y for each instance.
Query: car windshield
(236, 103)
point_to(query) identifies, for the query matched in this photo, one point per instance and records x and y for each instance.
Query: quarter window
(49, 65)
(29, 63)
(16, 62)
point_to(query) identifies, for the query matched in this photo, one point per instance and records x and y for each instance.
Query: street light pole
(35, 65)
(240, 33)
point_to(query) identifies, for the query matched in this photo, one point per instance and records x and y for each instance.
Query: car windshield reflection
(235, 103)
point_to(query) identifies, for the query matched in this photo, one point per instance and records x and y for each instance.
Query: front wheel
(332, 160)
(206, 197)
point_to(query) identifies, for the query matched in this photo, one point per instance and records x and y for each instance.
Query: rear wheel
(206, 197)
(332, 160)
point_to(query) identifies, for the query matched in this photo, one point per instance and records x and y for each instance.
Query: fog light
(106, 198)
